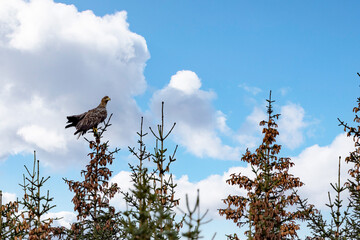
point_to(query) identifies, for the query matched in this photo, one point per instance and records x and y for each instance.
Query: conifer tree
(192, 221)
(96, 218)
(29, 223)
(353, 183)
(9, 220)
(137, 222)
(144, 218)
(337, 229)
(151, 199)
(265, 208)
(164, 184)
(344, 224)
(36, 206)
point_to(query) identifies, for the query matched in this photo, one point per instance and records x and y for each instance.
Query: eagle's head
(104, 101)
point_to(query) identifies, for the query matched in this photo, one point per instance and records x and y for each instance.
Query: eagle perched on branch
(90, 119)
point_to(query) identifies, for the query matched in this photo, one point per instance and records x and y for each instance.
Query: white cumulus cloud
(291, 125)
(43, 138)
(249, 134)
(197, 123)
(123, 179)
(317, 167)
(8, 197)
(186, 81)
(212, 190)
(57, 61)
(65, 218)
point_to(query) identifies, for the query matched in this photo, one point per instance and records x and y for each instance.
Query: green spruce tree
(25, 218)
(194, 219)
(151, 202)
(337, 229)
(344, 224)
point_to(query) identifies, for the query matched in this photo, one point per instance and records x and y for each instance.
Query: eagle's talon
(95, 131)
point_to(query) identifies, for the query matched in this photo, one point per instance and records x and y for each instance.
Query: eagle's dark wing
(91, 119)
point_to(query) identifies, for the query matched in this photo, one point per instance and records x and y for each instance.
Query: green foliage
(194, 222)
(151, 201)
(344, 224)
(35, 205)
(30, 222)
(164, 185)
(337, 229)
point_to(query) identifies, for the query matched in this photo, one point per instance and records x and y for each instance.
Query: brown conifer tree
(265, 208)
(353, 183)
(96, 218)
(9, 220)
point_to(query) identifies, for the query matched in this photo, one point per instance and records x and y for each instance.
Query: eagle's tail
(73, 120)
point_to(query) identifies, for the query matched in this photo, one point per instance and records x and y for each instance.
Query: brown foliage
(91, 200)
(269, 194)
(353, 183)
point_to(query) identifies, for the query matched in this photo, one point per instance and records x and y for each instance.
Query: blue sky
(212, 62)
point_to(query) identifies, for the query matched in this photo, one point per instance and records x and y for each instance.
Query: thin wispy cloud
(250, 89)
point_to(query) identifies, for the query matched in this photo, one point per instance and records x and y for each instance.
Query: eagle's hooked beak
(106, 99)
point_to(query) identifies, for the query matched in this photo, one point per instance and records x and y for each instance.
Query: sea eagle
(90, 119)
